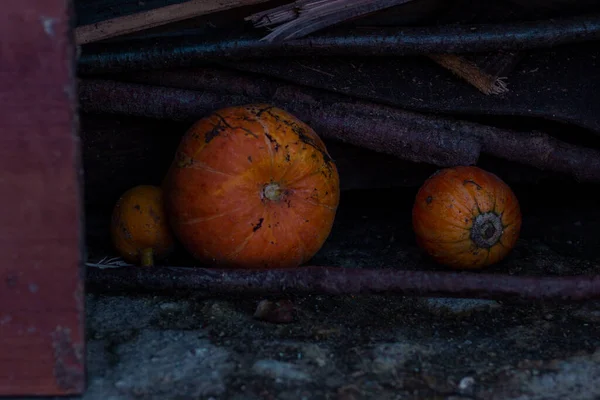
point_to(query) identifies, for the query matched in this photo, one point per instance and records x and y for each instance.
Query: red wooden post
(41, 290)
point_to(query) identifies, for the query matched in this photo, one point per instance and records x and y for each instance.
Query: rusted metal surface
(186, 50)
(41, 302)
(407, 135)
(337, 281)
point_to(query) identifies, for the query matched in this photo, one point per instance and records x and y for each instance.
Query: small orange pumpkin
(466, 218)
(139, 228)
(252, 187)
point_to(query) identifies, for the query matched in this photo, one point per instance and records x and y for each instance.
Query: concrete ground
(367, 347)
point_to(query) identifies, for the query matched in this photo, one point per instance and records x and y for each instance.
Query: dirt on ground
(367, 347)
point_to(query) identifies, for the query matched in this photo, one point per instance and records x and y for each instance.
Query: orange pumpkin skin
(139, 228)
(466, 218)
(252, 187)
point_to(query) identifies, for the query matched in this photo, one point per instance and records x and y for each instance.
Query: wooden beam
(41, 290)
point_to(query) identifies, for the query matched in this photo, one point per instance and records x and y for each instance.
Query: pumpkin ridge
(316, 203)
(478, 210)
(487, 257)
(449, 241)
(305, 136)
(290, 168)
(199, 165)
(440, 188)
(496, 194)
(464, 250)
(194, 221)
(303, 177)
(234, 128)
(301, 248)
(460, 186)
(508, 236)
(220, 125)
(241, 246)
(200, 148)
(488, 190)
(449, 222)
(269, 139)
(245, 242)
(507, 225)
(269, 147)
(191, 136)
(293, 211)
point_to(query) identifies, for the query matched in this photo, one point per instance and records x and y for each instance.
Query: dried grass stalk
(304, 17)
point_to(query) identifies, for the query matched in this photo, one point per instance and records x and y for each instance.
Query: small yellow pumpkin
(139, 228)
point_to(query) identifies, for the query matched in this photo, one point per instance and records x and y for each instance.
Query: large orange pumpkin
(252, 187)
(139, 228)
(466, 218)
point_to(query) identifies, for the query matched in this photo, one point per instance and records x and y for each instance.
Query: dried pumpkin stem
(487, 230)
(272, 191)
(147, 257)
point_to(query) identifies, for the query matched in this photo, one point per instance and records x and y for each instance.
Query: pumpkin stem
(487, 230)
(147, 257)
(272, 191)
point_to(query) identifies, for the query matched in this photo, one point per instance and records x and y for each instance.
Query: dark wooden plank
(41, 291)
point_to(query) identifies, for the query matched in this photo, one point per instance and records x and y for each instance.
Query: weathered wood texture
(120, 152)
(156, 17)
(41, 295)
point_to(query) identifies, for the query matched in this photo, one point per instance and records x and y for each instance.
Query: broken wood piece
(471, 73)
(304, 17)
(407, 135)
(156, 17)
(342, 281)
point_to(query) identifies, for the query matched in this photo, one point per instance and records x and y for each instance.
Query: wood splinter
(471, 73)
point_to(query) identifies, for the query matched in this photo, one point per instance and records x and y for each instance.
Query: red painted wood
(41, 295)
